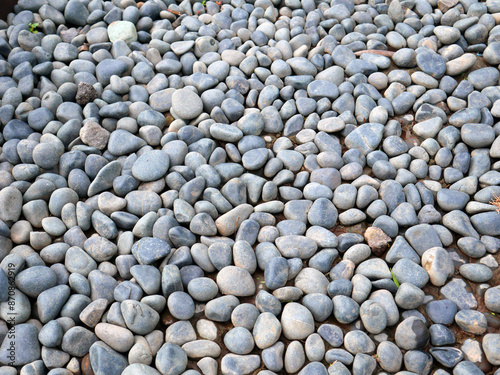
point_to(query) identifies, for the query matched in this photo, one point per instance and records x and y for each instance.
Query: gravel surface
(250, 187)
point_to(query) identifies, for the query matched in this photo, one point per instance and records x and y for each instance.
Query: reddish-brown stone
(377, 240)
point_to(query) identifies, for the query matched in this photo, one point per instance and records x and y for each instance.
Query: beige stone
(94, 135)
(446, 5)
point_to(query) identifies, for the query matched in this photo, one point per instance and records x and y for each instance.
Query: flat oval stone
(296, 246)
(407, 271)
(220, 309)
(77, 341)
(35, 280)
(151, 166)
(358, 342)
(203, 289)
(10, 204)
(431, 63)
(235, 281)
(345, 309)
(202, 348)
(477, 135)
(374, 269)
(226, 133)
(477, 273)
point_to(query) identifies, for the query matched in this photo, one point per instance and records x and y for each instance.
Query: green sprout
(32, 27)
(204, 2)
(394, 279)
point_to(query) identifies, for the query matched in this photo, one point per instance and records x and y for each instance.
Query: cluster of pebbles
(250, 187)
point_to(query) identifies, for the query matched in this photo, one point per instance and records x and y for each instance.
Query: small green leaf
(394, 279)
(492, 313)
(32, 27)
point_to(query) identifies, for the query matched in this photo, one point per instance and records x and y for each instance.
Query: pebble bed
(250, 187)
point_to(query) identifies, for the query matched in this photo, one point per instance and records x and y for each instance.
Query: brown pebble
(377, 240)
(446, 5)
(86, 366)
(94, 135)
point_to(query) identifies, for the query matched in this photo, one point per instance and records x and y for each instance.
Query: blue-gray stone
(22, 346)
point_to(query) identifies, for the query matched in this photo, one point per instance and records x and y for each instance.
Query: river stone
(122, 30)
(471, 321)
(486, 223)
(438, 264)
(310, 280)
(22, 347)
(292, 246)
(149, 249)
(168, 128)
(492, 299)
(77, 341)
(235, 281)
(139, 317)
(365, 138)
(94, 135)
(239, 364)
(456, 291)
(411, 334)
(186, 104)
(358, 342)
(266, 331)
(151, 166)
(171, 359)
(201, 348)
(105, 360)
(373, 317)
(136, 368)
(297, 321)
(10, 204)
(431, 63)
(491, 347)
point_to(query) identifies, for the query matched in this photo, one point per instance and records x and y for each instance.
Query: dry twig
(496, 202)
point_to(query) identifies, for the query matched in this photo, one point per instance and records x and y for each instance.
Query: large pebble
(297, 321)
